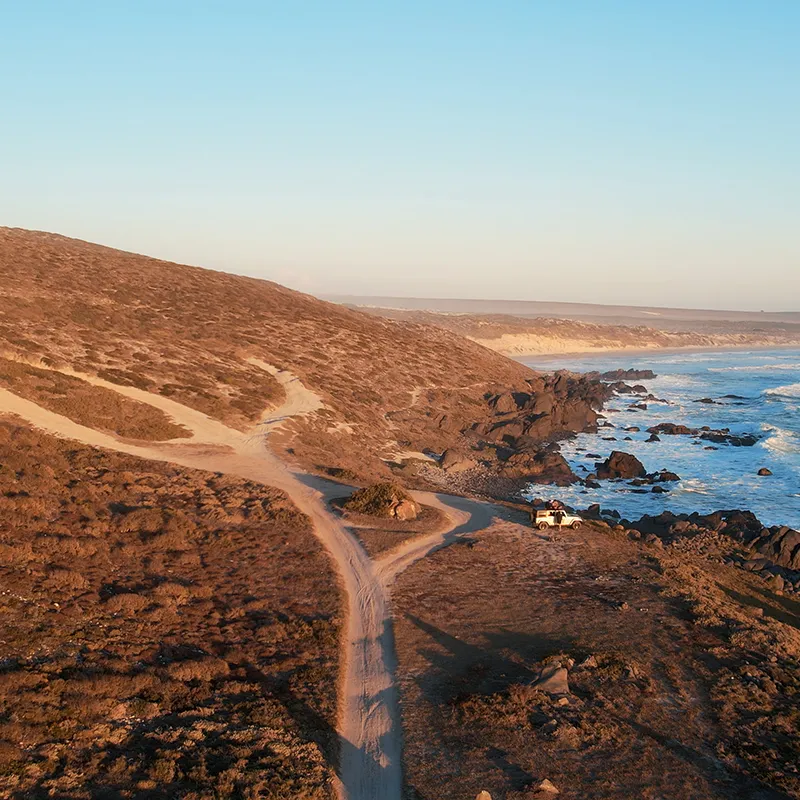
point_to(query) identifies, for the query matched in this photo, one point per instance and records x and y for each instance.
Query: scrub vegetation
(166, 632)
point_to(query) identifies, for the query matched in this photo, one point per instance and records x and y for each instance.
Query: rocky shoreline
(519, 446)
(733, 537)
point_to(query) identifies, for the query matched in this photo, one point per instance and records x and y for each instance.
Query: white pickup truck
(554, 518)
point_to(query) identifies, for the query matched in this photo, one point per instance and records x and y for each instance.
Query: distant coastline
(520, 337)
(600, 352)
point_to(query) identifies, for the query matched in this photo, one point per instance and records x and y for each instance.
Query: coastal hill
(193, 608)
(209, 340)
(655, 316)
(519, 328)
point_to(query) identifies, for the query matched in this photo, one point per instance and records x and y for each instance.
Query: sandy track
(370, 733)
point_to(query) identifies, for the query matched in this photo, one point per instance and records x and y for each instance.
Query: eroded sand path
(369, 725)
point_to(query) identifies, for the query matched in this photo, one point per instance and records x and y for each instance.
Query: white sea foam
(673, 382)
(781, 440)
(694, 486)
(790, 390)
(758, 368)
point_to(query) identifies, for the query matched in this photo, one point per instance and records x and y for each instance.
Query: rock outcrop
(778, 545)
(616, 380)
(781, 545)
(620, 465)
(722, 436)
(626, 375)
(517, 438)
(456, 461)
(554, 406)
(543, 466)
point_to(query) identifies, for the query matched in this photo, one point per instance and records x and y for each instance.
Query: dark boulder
(781, 545)
(665, 475)
(722, 436)
(544, 466)
(455, 461)
(628, 375)
(671, 429)
(620, 387)
(725, 437)
(620, 465)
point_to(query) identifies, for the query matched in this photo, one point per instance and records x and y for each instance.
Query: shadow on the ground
(783, 609)
(459, 668)
(739, 785)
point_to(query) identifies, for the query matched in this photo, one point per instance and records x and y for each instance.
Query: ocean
(767, 383)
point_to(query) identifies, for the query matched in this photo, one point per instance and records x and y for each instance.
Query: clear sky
(640, 152)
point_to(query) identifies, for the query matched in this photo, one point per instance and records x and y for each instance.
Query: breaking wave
(781, 440)
(758, 368)
(694, 486)
(790, 390)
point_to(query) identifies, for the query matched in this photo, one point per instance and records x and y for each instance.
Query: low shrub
(377, 500)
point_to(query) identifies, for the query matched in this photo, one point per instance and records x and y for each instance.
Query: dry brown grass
(187, 333)
(689, 695)
(93, 406)
(166, 632)
(387, 534)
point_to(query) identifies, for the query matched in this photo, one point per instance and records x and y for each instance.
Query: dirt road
(369, 728)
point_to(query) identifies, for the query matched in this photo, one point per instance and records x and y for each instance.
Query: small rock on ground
(553, 679)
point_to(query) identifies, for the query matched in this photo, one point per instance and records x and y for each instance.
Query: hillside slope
(206, 338)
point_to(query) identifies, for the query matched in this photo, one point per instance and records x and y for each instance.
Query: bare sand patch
(89, 402)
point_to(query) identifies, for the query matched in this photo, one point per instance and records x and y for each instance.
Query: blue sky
(597, 151)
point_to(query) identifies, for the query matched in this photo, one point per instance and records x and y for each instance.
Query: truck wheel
(543, 526)
(576, 525)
